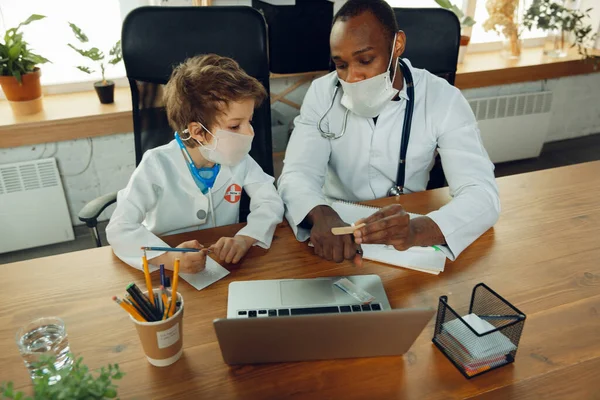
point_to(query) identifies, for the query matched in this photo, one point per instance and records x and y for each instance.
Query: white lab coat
(362, 164)
(162, 198)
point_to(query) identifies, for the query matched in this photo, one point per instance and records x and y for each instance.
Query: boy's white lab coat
(162, 198)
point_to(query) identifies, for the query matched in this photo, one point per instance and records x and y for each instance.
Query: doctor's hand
(232, 249)
(393, 226)
(189, 263)
(326, 244)
(390, 225)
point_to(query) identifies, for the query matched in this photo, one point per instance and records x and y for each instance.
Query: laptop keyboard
(282, 312)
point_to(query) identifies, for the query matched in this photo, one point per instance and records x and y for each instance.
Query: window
(100, 20)
(412, 3)
(479, 35)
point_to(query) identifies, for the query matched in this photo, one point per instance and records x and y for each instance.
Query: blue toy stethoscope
(398, 188)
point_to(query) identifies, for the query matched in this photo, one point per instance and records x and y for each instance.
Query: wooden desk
(543, 255)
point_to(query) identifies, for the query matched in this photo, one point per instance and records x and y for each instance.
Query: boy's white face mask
(368, 97)
(227, 148)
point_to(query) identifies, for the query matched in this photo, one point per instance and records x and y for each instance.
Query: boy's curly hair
(201, 88)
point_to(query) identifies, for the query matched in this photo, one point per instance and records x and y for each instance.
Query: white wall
(575, 112)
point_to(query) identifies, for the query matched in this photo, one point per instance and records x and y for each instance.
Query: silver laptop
(311, 319)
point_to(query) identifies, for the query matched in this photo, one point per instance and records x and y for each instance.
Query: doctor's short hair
(201, 88)
(379, 8)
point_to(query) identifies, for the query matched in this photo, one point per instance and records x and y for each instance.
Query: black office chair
(432, 42)
(298, 35)
(154, 40)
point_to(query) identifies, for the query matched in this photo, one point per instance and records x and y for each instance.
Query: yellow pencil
(148, 280)
(165, 301)
(174, 287)
(132, 311)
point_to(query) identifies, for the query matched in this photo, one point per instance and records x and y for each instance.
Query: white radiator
(513, 127)
(33, 208)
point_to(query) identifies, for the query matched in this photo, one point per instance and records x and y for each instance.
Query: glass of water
(45, 337)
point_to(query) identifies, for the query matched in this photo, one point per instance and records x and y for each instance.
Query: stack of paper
(474, 353)
(424, 259)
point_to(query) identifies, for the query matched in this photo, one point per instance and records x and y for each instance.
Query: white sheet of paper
(212, 273)
(423, 259)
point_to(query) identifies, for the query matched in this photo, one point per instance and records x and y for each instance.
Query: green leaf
(32, 17)
(15, 51)
(36, 59)
(116, 54)
(82, 37)
(457, 11)
(468, 21)
(17, 74)
(444, 4)
(93, 54)
(87, 70)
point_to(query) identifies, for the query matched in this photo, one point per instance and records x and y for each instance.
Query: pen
(142, 301)
(130, 301)
(174, 288)
(148, 280)
(130, 310)
(177, 249)
(162, 274)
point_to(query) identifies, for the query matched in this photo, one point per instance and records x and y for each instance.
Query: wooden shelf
(490, 68)
(80, 115)
(67, 117)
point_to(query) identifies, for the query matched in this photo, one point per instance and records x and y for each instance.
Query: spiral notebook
(423, 259)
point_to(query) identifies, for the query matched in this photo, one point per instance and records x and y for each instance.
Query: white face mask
(367, 98)
(227, 148)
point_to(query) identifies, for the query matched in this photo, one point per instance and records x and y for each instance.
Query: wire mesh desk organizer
(485, 339)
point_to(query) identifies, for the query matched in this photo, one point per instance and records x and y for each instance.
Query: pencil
(130, 310)
(174, 288)
(129, 300)
(165, 301)
(148, 280)
(176, 249)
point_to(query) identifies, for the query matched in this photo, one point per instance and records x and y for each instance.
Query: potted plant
(562, 24)
(19, 74)
(465, 22)
(104, 88)
(76, 384)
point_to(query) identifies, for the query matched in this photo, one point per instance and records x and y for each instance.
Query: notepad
(482, 348)
(212, 273)
(423, 259)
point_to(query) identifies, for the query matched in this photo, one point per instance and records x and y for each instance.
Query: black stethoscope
(398, 188)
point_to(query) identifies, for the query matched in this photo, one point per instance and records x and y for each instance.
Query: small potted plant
(104, 88)
(562, 24)
(465, 22)
(19, 74)
(77, 384)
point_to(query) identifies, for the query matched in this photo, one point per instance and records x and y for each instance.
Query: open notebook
(424, 259)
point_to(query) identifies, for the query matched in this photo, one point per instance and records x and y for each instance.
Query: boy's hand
(189, 263)
(231, 250)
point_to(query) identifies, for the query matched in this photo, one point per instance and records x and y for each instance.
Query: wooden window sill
(80, 115)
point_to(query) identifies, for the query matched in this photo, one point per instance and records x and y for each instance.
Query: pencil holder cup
(162, 341)
(485, 339)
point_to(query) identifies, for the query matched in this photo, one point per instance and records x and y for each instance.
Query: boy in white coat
(195, 181)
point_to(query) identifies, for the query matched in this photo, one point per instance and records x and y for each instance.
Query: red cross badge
(233, 194)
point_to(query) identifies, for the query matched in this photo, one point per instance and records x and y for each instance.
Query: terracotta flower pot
(26, 97)
(462, 50)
